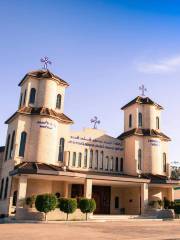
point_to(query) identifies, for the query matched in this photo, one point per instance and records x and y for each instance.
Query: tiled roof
(50, 169)
(111, 174)
(142, 100)
(144, 132)
(42, 111)
(33, 167)
(2, 149)
(44, 74)
(155, 178)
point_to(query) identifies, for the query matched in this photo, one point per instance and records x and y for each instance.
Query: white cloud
(171, 64)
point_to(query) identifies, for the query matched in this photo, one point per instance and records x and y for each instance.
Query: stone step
(113, 217)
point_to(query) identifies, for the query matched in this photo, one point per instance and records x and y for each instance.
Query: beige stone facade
(43, 155)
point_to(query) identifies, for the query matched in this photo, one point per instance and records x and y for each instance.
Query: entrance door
(101, 195)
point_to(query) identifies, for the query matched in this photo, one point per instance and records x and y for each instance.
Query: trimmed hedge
(46, 203)
(68, 205)
(87, 206)
(177, 207)
(30, 201)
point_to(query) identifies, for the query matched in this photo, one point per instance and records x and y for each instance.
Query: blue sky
(104, 48)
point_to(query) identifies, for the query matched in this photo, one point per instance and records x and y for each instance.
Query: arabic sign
(46, 124)
(90, 142)
(154, 142)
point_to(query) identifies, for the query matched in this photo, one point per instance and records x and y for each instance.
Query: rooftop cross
(143, 89)
(95, 121)
(46, 61)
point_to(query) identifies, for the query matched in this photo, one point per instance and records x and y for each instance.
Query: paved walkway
(133, 229)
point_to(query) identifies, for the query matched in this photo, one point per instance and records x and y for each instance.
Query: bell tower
(146, 147)
(38, 131)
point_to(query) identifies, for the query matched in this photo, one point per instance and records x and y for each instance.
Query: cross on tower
(46, 61)
(143, 89)
(95, 121)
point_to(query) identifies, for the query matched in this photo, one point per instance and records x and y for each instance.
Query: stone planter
(56, 215)
(166, 214)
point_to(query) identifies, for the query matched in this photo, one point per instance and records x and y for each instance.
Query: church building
(43, 155)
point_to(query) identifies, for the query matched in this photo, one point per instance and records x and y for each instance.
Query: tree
(46, 203)
(87, 206)
(68, 205)
(177, 208)
(30, 201)
(167, 203)
(175, 172)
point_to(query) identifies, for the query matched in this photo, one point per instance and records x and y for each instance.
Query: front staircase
(113, 217)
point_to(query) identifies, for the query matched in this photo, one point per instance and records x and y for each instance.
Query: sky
(105, 49)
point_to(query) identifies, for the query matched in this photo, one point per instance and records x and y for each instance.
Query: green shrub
(172, 204)
(160, 202)
(30, 201)
(151, 203)
(92, 206)
(155, 204)
(167, 203)
(87, 206)
(68, 205)
(177, 209)
(46, 203)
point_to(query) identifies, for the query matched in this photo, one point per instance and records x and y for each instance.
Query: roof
(142, 100)
(144, 132)
(156, 178)
(49, 169)
(33, 167)
(2, 149)
(42, 111)
(40, 74)
(113, 174)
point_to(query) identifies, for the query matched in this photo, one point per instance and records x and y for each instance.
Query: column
(22, 188)
(66, 159)
(66, 189)
(144, 197)
(88, 188)
(171, 194)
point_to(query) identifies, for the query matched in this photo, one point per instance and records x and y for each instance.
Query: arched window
(140, 119)
(32, 96)
(20, 101)
(6, 188)
(74, 159)
(61, 150)
(96, 159)
(121, 164)
(12, 145)
(91, 159)
(101, 160)
(111, 164)
(117, 164)
(24, 101)
(164, 162)
(14, 201)
(79, 159)
(7, 147)
(2, 188)
(116, 202)
(58, 101)
(157, 123)
(85, 157)
(107, 163)
(130, 121)
(139, 159)
(22, 144)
